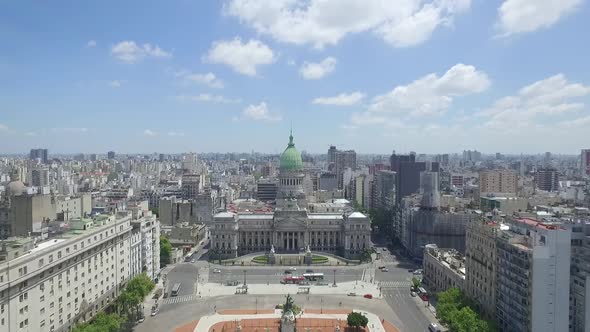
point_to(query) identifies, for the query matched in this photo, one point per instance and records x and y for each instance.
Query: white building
(52, 285)
(533, 276)
(146, 236)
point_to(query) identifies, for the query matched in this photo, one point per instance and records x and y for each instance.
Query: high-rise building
(161, 157)
(332, 154)
(344, 160)
(408, 174)
(472, 156)
(533, 277)
(497, 182)
(191, 184)
(384, 190)
(429, 190)
(93, 157)
(585, 159)
(547, 179)
(111, 155)
(39, 177)
(41, 154)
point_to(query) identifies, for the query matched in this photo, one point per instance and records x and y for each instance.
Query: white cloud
(91, 43)
(31, 134)
(116, 83)
(208, 79)
(520, 16)
(130, 52)
(315, 71)
(401, 23)
(342, 99)
(260, 112)
(205, 97)
(149, 132)
(243, 58)
(431, 95)
(3, 129)
(538, 104)
(176, 134)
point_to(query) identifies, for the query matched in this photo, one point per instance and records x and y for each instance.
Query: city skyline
(429, 77)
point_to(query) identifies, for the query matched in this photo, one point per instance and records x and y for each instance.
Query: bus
(292, 280)
(175, 289)
(313, 276)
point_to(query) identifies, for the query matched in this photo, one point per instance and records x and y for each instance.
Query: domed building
(290, 228)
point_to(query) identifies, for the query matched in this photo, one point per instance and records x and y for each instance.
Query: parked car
(413, 294)
(351, 294)
(368, 296)
(384, 269)
(381, 267)
(192, 260)
(293, 268)
(216, 271)
(141, 320)
(432, 327)
(155, 311)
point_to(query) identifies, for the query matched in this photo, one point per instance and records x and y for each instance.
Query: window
(41, 262)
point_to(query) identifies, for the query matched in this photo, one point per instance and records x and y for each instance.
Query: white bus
(175, 289)
(313, 276)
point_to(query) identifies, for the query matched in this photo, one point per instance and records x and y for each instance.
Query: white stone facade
(66, 280)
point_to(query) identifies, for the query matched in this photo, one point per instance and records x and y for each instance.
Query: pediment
(290, 223)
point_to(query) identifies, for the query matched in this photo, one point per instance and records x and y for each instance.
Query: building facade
(497, 182)
(481, 264)
(443, 269)
(547, 179)
(52, 285)
(290, 227)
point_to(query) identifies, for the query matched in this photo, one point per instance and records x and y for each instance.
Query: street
(396, 304)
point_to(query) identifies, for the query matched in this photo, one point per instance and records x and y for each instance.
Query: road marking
(395, 284)
(179, 299)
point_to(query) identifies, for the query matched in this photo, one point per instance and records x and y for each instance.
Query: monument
(271, 255)
(308, 257)
(288, 317)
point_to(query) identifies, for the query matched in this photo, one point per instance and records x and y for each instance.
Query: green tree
(366, 255)
(165, 251)
(356, 320)
(102, 323)
(466, 320)
(415, 282)
(456, 310)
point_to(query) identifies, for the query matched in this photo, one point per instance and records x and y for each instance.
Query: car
(432, 327)
(411, 270)
(216, 271)
(381, 267)
(384, 269)
(155, 311)
(192, 260)
(368, 296)
(292, 268)
(351, 294)
(287, 272)
(413, 294)
(384, 249)
(141, 320)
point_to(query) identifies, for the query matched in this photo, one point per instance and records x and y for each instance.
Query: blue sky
(430, 76)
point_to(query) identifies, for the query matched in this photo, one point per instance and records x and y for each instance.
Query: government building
(290, 228)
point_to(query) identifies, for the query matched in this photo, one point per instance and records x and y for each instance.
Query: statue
(288, 317)
(272, 249)
(271, 255)
(308, 249)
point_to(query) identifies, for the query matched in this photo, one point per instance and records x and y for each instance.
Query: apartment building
(146, 231)
(443, 269)
(497, 182)
(533, 276)
(54, 284)
(481, 264)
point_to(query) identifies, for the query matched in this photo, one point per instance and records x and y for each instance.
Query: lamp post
(334, 278)
(321, 305)
(245, 277)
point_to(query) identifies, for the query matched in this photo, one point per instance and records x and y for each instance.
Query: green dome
(291, 158)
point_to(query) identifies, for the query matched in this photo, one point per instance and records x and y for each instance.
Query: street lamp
(245, 277)
(334, 278)
(321, 305)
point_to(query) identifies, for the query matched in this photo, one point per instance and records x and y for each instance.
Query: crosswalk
(179, 299)
(395, 284)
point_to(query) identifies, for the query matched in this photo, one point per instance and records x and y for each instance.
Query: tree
(356, 320)
(456, 310)
(466, 320)
(366, 256)
(165, 251)
(415, 282)
(101, 323)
